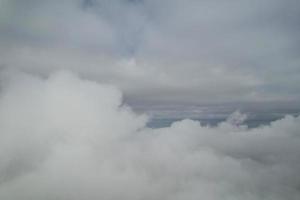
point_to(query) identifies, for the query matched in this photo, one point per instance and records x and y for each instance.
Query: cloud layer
(171, 51)
(70, 138)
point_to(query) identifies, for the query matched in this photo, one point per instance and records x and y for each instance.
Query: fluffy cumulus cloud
(161, 51)
(63, 137)
(67, 132)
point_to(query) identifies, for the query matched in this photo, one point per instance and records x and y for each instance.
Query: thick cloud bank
(63, 138)
(162, 52)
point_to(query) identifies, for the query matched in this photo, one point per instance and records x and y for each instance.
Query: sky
(80, 80)
(177, 52)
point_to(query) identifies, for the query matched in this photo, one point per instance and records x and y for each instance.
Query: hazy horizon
(149, 100)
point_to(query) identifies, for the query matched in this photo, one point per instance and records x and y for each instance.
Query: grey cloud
(66, 136)
(179, 51)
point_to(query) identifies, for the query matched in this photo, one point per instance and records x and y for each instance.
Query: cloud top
(71, 138)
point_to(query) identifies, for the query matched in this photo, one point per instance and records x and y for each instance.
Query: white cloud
(67, 138)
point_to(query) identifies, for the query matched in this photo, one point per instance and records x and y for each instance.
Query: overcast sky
(68, 133)
(174, 51)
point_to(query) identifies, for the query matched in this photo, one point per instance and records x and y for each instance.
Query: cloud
(183, 51)
(64, 137)
(70, 134)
